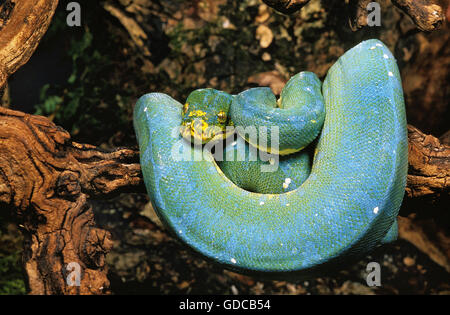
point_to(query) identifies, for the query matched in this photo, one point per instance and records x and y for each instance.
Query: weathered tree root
(46, 179)
(426, 14)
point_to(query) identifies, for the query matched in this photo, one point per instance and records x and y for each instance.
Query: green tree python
(302, 219)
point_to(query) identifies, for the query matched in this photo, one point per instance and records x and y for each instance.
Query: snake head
(205, 115)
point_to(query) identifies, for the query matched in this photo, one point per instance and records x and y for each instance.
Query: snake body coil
(347, 205)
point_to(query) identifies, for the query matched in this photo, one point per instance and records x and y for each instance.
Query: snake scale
(346, 204)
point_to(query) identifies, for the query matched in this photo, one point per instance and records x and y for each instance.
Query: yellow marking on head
(204, 126)
(197, 113)
(200, 130)
(185, 108)
(222, 116)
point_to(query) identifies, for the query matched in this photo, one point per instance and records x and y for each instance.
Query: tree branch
(429, 165)
(426, 14)
(47, 179)
(22, 25)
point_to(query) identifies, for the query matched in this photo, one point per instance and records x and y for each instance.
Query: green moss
(11, 281)
(11, 278)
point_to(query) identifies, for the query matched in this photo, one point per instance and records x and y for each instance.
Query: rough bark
(429, 166)
(426, 14)
(46, 179)
(425, 216)
(22, 25)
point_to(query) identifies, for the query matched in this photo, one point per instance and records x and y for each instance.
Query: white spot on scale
(379, 45)
(180, 231)
(372, 48)
(145, 109)
(288, 204)
(390, 74)
(385, 56)
(234, 143)
(286, 183)
(233, 260)
(261, 203)
(375, 210)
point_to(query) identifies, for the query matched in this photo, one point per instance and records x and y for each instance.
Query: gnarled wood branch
(426, 14)
(47, 179)
(424, 219)
(429, 165)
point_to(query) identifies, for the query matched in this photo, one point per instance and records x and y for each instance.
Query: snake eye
(222, 116)
(185, 108)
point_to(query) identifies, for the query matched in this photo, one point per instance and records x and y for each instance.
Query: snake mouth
(199, 132)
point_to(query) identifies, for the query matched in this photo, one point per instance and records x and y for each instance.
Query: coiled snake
(345, 205)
